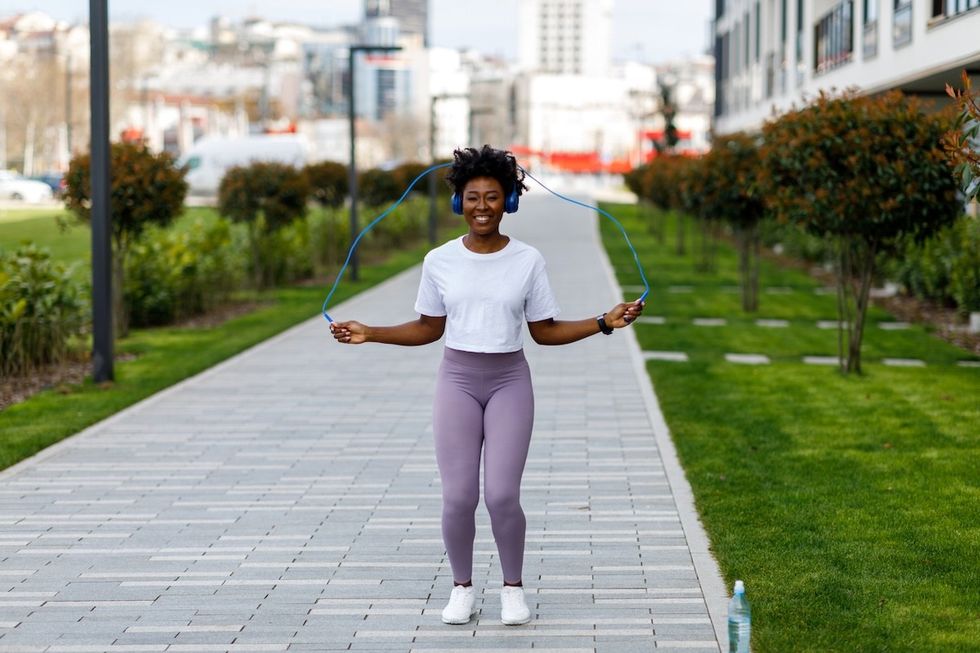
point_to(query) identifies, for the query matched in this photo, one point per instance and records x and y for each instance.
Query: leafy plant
(266, 196)
(147, 189)
(730, 192)
(378, 187)
(172, 275)
(329, 183)
(962, 142)
(41, 310)
(867, 172)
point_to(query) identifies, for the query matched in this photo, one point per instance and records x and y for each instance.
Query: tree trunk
(748, 268)
(680, 233)
(840, 263)
(865, 269)
(253, 240)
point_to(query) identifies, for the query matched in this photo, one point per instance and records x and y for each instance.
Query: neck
(485, 243)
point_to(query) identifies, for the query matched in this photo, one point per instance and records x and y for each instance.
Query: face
(483, 205)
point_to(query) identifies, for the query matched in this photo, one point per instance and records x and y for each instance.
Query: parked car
(17, 187)
(55, 180)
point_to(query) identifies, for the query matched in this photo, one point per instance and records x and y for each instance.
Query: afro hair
(470, 163)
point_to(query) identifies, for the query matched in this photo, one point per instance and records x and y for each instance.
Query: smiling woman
(479, 290)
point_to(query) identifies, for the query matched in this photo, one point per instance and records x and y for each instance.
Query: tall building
(566, 37)
(412, 15)
(769, 54)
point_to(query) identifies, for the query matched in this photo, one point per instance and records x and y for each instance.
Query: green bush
(266, 196)
(378, 187)
(172, 275)
(41, 310)
(945, 268)
(329, 183)
(329, 233)
(147, 189)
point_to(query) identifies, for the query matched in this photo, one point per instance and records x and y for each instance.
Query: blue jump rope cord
(391, 208)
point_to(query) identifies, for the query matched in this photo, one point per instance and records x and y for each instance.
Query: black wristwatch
(605, 328)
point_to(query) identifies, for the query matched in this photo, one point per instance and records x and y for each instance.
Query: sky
(643, 30)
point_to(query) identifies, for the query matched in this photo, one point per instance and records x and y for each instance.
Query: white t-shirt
(485, 297)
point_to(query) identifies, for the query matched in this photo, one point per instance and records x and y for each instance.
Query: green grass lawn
(165, 355)
(850, 506)
(71, 245)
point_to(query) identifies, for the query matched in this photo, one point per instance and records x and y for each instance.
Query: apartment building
(770, 54)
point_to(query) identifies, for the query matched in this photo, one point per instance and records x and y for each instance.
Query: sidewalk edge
(705, 565)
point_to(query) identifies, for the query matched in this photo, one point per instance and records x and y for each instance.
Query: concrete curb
(705, 565)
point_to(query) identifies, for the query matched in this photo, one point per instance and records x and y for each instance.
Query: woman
(479, 289)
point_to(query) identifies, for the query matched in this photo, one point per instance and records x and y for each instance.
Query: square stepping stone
(893, 326)
(889, 290)
(709, 321)
(903, 362)
(820, 360)
(675, 356)
(779, 290)
(731, 289)
(828, 324)
(747, 359)
(968, 363)
(639, 289)
(680, 289)
(825, 290)
(772, 324)
(651, 319)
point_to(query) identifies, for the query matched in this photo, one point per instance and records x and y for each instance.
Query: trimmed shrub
(41, 310)
(171, 276)
(266, 196)
(730, 192)
(378, 187)
(329, 183)
(147, 189)
(945, 268)
(867, 172)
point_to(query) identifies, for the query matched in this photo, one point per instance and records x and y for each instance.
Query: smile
(483, 219)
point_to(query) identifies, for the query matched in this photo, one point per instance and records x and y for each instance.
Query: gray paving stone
(289, 498)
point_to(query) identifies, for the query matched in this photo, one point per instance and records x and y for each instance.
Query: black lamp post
(102, 346)
(352, 172)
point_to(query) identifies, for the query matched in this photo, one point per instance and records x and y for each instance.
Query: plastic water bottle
(739, 621)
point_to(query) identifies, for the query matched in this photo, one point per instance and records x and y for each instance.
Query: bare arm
(562, 332)
(422, 331)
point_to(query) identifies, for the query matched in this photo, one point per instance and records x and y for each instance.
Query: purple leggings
(483, 401)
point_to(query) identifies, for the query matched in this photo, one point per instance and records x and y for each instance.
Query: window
(902, 23)
(832, 38)
(745, 39)
(758, 36)
(950, 8)
(870, 32)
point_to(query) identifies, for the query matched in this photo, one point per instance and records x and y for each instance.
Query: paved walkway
(288, 499)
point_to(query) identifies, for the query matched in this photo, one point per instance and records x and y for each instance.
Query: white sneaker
(513, 607)
(461, 606)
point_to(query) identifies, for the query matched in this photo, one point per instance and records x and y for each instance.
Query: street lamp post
(352, 172)
(102, 353)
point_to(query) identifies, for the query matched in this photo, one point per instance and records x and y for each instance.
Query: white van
(209, 158)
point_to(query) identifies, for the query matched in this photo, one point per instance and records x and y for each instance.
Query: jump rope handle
(378, 219)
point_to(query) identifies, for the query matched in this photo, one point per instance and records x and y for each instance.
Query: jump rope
(457, 204)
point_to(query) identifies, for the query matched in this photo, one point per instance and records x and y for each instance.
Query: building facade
(412, 15)
(771, 54)
(565, 37)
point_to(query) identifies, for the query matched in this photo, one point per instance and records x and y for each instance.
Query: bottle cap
(739, 587)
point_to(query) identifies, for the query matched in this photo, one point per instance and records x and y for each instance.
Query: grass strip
(850, 506)
(167, 355)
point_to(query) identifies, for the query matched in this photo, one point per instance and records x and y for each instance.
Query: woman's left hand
(622, 315)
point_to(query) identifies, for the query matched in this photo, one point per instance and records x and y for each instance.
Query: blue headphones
(510, 202)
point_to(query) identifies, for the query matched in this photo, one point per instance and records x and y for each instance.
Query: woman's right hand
(349, 333)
